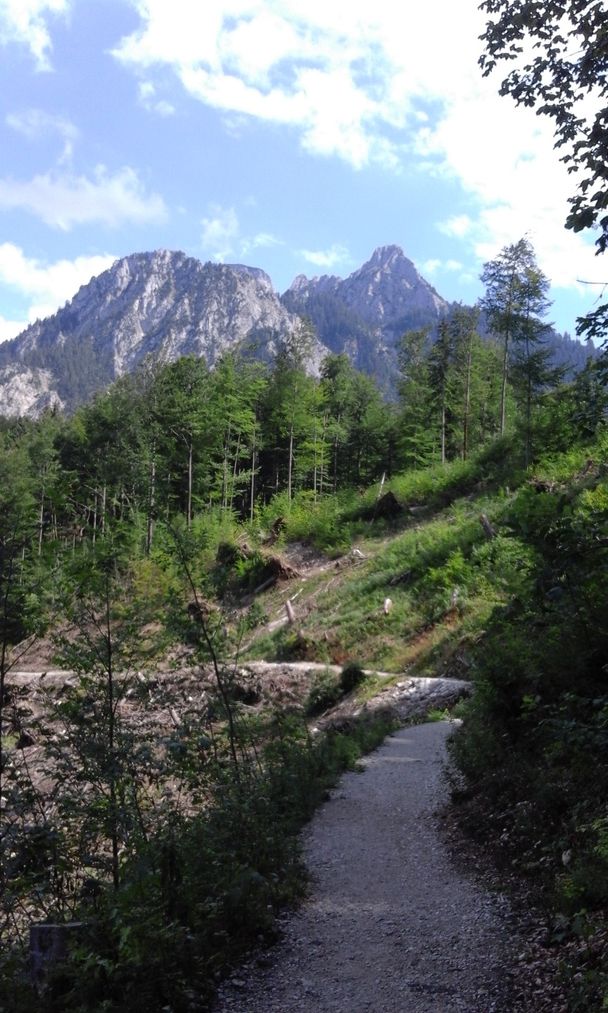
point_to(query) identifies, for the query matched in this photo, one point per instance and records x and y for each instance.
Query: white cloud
(10, 328)
(220, 232)
(384, 83)
(26, 22)
(288, 62)
(457, 225)
(32, 123)
(434, 265)
(221, 236)
(262, 240)
(63, 200)
(46, 287)
(431, 266)
(336, 254)
(150, 101)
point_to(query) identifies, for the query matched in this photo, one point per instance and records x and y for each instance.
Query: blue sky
(294, 135)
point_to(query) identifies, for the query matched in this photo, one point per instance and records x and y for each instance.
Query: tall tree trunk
(234, 469)
(467, 399)
(151, 502)
(314, 472)
(528, 440)
(189, 506)
(290, 463)
(111, 743)
(503, 386)
(104, 497)
(41, 521)
(252, 483)
(95, 518)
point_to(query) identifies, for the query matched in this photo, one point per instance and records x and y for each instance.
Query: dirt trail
(391, 925)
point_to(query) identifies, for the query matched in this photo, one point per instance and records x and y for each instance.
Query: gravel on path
(391, 925)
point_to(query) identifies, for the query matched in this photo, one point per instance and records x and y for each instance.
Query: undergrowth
(532, 750)
(203, 889)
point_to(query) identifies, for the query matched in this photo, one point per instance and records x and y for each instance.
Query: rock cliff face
(161, 304)
(365, 314)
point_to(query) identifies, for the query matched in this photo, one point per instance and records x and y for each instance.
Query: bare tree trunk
(467, 400)
(112, 743)
(41, 521)
(290, 464)
(252, 484)
(189, 506)
(503, 388)
(104, 497)
(234, 469)
(95, 519)
(151, 502)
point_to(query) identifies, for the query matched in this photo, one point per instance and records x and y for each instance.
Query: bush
(325, 691)
(351, 676)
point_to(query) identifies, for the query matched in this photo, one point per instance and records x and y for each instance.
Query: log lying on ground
(487, 526)
(410, 698)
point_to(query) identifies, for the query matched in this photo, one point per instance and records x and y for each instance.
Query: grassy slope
(524, 614)
(434, 561)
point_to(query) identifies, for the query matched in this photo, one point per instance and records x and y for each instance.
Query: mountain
(160, 304)
(365, 314)
(165, 305)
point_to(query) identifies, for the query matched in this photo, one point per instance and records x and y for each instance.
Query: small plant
(325, 691)
(351, 676)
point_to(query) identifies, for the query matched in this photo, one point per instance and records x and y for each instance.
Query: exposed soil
(393, 924)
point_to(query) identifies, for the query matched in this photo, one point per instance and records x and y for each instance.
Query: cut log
(487, 527)
(279, 568)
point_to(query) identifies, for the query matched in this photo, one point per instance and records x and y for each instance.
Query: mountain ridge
(165, 304)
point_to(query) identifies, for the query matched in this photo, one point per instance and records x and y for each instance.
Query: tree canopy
(558, 55)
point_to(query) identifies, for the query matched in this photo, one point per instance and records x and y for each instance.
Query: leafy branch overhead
(558, 55)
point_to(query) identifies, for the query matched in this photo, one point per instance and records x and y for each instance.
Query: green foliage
(325, 692)
(351, 676)
(557, 86)
(533, 743)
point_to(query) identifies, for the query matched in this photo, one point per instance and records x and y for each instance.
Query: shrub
(325, 691)
(351, 676)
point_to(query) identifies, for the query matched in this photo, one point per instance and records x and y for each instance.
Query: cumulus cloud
(34, 123)
(221, 236)
(336, 254)
(64, 200)
(355, 81)
(220, 232)
(26, 22)
(45, 287)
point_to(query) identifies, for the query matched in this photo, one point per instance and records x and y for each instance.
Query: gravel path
(391, 925)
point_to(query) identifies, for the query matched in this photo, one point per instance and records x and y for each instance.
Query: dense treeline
(179, 439)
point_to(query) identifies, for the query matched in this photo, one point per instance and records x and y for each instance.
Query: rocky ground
(392, 924)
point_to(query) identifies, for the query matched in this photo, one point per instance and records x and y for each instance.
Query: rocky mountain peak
(161, 304)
